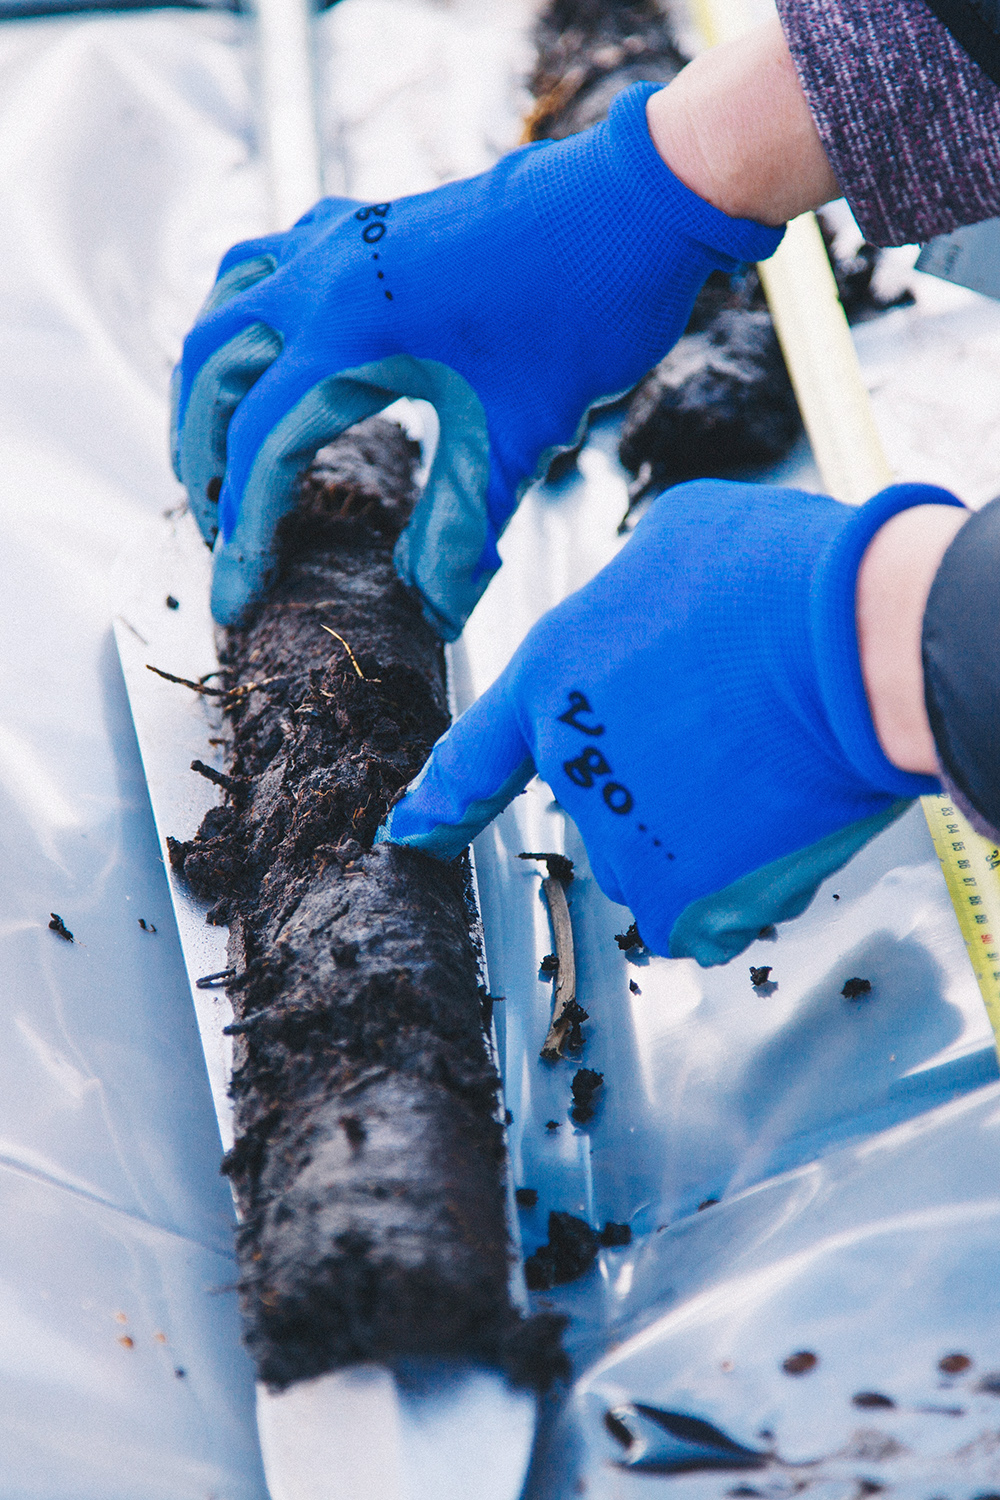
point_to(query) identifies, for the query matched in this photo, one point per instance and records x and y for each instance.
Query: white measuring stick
(286, 62)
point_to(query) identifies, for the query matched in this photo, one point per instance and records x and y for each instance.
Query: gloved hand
(698, 709)
(511, 301)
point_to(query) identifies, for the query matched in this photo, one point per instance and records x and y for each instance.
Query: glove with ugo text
(698, 709)
(511, 301)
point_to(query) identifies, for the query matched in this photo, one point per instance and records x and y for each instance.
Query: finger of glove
(280, 246)
(239, 278)
(326, 209)
(220, 385)
(447, 552)
(473, 772)
(256, 259)
(290, 413)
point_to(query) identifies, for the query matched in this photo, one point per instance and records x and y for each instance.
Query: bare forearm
(735, 127)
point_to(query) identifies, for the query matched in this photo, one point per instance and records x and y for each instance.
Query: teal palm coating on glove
(511, 301)
(698, 709)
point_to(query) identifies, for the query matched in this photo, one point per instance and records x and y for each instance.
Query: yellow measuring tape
(837, 415)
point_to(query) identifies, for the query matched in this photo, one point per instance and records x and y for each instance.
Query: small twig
(229, 696)
(196, 687)
(565, 1011)
(354, 660)
(215, 981)
(562, 930)
(305, 604)
(237, 694)
(217, 778)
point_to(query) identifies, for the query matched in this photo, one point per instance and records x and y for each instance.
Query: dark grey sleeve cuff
(910, 123)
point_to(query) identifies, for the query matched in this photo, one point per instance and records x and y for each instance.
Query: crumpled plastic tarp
(853, 1146)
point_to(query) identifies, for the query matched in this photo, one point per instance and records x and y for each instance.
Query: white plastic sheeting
(854, 1147)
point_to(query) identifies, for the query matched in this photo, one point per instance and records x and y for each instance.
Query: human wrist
(735, 127)
(960, 646)
(894, 582)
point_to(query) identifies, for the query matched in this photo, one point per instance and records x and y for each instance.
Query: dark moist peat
(369, 1160)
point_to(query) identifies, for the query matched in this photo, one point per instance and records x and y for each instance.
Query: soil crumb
(369, 1159)
(586, 1083)
(855, 988)
(58, 926)
(575, 1014)
(526, 1197)
(570, 1252)
(614, 1235)
(800, 1363)
(558, 866)
(759, 975)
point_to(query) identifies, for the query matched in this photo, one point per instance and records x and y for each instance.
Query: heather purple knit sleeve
(910, 123)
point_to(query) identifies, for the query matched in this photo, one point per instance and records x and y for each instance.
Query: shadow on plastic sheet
(867, 1042)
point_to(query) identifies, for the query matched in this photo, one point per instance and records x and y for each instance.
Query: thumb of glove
(473, 772)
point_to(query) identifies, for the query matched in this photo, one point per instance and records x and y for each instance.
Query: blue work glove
(698, 709)
(511, 301)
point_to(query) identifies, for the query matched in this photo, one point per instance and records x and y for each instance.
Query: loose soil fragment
(586, 1083)
(570, 1252)
(556, 865)
(369, 1159)
(800, 1363)
(573, 1015)
(855, 988)
(58, 926)
(614, 1235)
(759, 976)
